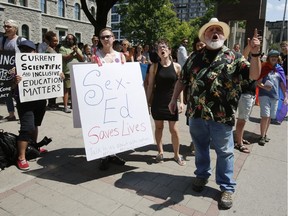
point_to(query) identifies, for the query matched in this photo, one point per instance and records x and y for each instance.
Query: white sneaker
(67, 110)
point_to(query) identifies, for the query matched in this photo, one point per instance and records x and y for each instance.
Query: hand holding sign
(40, 74)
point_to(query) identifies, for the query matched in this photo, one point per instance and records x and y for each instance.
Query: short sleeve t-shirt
(10, 44)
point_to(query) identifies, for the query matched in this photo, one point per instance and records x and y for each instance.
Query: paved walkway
(64, 183)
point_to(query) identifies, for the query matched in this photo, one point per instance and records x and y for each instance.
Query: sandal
(180, 161)
(242, 148)
(246, 142)
(159, 158)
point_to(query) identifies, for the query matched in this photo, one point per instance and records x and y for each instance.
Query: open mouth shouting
(215, 37)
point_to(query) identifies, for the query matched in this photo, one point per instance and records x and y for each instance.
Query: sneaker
(266, 138)
(23, 164)
(104, 163)
(117, 160)
(10, 118)
(43, 150)
(261, 141)
(67, 110)
(226, 200)
(199, 184)
(159, 158)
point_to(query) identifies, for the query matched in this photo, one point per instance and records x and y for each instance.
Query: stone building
(189, 9)
(275, 29)
(35, 17)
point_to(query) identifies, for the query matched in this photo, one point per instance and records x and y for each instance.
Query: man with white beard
(215, 79)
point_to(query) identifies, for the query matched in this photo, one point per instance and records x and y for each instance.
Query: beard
(69, 43)
(215, 44)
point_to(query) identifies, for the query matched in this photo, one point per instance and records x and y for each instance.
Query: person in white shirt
(182, 52)
(10, 41)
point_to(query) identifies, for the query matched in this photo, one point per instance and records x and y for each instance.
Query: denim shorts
(268, 106)
(245, 106)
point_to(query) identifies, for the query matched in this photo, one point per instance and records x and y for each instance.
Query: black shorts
(31, 114)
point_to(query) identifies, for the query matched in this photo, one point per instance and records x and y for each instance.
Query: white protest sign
(40, 74)
(112, 107)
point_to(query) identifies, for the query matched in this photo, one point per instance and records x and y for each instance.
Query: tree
(146, 21)
(103, 8)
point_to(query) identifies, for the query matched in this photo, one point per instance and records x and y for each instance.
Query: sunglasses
(106, 37)
(7, 26)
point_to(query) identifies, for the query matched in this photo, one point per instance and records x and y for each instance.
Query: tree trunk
(103, 8)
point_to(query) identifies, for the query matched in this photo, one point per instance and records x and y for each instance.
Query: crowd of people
(213, 81)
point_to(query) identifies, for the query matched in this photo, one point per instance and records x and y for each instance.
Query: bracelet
(256, 54)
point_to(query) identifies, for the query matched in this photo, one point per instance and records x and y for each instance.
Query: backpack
(18, 41)
(8, 149)
(9, 152)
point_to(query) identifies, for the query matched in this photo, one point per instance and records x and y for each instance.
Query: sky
(275, 10)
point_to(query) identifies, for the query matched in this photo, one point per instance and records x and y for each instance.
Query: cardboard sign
(40, 74)
(7, 62)
(111, 108)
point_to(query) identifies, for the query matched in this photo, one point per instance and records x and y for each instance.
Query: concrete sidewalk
(62, 182)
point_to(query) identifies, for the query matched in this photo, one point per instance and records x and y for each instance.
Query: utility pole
(283, 23)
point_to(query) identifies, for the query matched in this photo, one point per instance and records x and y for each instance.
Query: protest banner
(40, 74)
(112, 108)
(7, 62)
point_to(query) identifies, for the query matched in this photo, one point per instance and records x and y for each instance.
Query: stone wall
(36, 20)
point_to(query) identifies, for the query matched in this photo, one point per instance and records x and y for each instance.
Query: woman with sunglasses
(106, 54)
(127, 50)
(162, 78)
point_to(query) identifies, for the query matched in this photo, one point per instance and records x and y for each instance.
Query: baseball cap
(27, 43)
(273, 53)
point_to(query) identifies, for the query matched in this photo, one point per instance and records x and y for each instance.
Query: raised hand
(255, 43)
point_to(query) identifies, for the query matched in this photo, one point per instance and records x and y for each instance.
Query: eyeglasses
(7, 26)
(124, 44)
(106, 37)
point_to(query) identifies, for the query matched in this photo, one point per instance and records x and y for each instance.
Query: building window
(61, 8)
(116, 35)
(77, 11)
(23, 3)
(44, 30)
(93, 11)
(44, 6)
(78, 36)
(11, 1)
(115, 18)
(62, 35)
(114, 9)
(25, 31)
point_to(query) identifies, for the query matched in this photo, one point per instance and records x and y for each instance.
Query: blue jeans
(204, 133)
